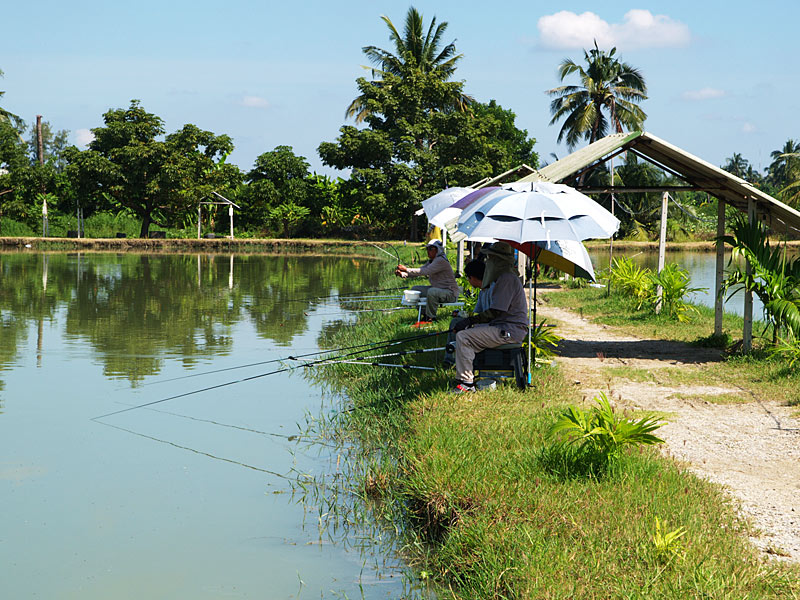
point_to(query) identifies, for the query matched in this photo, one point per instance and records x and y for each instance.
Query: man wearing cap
(443, 287)
(504, 322)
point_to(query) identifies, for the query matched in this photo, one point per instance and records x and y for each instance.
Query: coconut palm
(784, 172)
(9, 117)
(413, 51)
(606, 86)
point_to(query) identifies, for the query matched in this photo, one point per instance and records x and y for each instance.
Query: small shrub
(674, 283)
(667, 545)
(602, 430)
(11, 228)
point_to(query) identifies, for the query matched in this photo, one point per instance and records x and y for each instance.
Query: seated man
(443, 287)
(504, 322)
(474, 273)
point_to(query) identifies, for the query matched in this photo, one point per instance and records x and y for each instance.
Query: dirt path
(753, 448)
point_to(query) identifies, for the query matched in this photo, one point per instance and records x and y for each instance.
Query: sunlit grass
(464, 483)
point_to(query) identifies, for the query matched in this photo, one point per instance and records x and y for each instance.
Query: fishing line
(215, 457)
(396, 255)
(368, 346)
(252, 377)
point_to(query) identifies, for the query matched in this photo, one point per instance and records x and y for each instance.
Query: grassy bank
(487, 506)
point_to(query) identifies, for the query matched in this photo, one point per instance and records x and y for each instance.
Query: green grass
(467, 485)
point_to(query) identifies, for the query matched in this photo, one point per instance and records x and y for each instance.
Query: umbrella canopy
(544, 212)
(567, 256)
(434, 205)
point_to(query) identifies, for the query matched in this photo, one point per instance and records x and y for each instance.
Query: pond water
(700, 265)
(186, 498)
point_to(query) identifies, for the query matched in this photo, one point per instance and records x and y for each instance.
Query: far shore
(324, 245)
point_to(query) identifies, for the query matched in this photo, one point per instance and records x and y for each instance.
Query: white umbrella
(437, 203)
(531, 212)
(545, 212)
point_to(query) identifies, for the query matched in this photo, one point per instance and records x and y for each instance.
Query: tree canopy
(606, 86)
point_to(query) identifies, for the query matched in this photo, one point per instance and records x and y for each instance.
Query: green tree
(415, 50)
(783, 174)
(160, 181)
(277, 177)
(606, 86)
(9, 117)
(53, 145)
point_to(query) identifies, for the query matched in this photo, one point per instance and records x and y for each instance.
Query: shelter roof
(697, 173)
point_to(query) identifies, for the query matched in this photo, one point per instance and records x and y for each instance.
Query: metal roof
(696, 172)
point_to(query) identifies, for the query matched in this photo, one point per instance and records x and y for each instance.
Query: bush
(11, 228)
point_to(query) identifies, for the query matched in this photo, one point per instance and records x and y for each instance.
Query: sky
(721, 75)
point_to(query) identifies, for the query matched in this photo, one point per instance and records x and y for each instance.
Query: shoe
(463, 388)
(422, 323)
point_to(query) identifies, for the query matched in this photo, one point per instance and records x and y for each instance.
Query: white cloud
(254, 102)
(748, 127)
(566, 30)
(83, 137)
(703, 94)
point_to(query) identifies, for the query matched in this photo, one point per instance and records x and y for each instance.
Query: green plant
(288, 216)
(772, 277)
(674, 283)
(631, 280)
(544, 339)
(667, 544)
(787, 348)
(603, 430)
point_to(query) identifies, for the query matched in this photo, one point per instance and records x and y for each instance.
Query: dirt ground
(750, 448)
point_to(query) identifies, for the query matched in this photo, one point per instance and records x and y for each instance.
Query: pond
(184, 498)
(700, 265)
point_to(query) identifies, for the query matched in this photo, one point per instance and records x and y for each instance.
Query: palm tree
(607, 85)
(784, 172)
(8, 117)
(737, 165)
(412, 51)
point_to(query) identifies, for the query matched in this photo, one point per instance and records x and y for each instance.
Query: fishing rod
(252, 377)
(376, 364)
(396, 254)
(341, 296)
(361, 310)
(401, 353)
(367, 346)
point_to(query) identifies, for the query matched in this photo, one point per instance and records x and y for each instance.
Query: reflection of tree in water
(285, 287)
(135, 310)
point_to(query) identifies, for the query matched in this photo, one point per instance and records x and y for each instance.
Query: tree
(412, 52)
(53, 145)
(160, 181)
(606, 86)
(277, 177)
(9, 117)
(783, 174)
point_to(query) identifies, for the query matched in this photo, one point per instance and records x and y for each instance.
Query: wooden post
(230, 212)
(199, 216)
(662, 247)
(747, 333)
(720, 268)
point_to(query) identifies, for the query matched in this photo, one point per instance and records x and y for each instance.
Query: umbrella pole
(532, 294)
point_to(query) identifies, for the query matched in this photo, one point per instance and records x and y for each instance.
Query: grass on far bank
(482, 514)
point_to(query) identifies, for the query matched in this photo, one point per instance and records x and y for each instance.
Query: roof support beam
(747, 333)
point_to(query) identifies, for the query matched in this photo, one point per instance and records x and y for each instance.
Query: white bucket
(410, 296)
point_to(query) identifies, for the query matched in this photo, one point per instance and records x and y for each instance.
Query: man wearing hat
(504, 322)
(443, 287)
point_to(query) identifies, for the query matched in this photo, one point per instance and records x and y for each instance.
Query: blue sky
(721, 75)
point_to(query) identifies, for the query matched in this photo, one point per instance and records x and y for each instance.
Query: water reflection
(186, 499)
(133, 310)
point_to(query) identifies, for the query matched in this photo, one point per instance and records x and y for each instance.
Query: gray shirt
(508, 297)
(439, 272)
